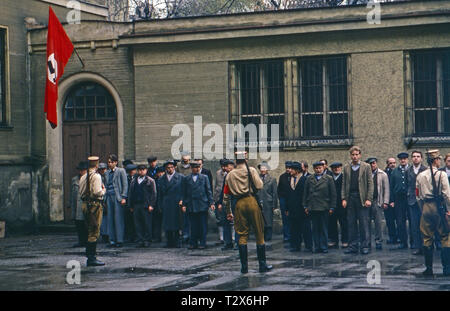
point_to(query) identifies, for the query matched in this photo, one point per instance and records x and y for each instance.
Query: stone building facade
(327, 76)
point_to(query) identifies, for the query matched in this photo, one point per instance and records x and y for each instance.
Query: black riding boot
(428, 253)
(261, 252)
(445, 258)
(91, 252)
(243, 255)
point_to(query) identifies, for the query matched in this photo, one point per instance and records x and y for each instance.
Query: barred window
(3, 86)
(260, 88)
(323, 107)
(431, 92)
(89, 102)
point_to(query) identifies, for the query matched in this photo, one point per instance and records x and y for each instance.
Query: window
(431, 92)
(322, 89)
(3, 73)
(89, 102)
(260, 93)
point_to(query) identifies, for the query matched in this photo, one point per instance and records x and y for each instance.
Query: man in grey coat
(268, 195)
(381, 193)
(319, 200)
(116, 199)
(75, 205)
(357, 196)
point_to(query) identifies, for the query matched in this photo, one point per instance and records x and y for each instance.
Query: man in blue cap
(130, 228)
(399, 199)
(283, 188)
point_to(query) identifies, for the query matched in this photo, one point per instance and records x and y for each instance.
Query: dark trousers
(358, 222)
(267, 233)
(284, 219)
(300, 229)
(82, 233)
(400, 209)
(198, 223)
(143, 223)
(130, 229)
(339, 216)
(172, 238)
(415, 214)
(186, 226)
(320, 229)
(156, 226)
(389, 215)
(228, 226)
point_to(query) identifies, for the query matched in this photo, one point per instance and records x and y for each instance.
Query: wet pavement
(39, 263)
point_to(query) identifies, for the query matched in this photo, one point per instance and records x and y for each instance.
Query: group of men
(332, 205)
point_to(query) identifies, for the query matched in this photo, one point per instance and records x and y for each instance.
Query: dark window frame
(320, 105)
(435, 86)
(83, 103)
(261, 93)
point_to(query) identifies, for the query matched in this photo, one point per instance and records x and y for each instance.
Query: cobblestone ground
(39, 263)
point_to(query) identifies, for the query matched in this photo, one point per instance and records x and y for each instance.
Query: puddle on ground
(186, 283)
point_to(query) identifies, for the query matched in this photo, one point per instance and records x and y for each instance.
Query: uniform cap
(335, 164)
(402, 155)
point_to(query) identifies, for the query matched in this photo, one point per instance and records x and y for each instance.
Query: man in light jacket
(380, 201)
(116, 199)
(357, 195)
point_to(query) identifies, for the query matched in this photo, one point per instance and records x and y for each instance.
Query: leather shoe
(350, 251)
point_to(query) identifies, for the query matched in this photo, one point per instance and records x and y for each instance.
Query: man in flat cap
(157, 212)
(389, 213)
(283, 188)
(433, 193)
(319, 201)
(381, 196)
(142, 202)
(116, 198)
(243, 183)
(339, 214)
(357, 196)
(92, 192)
(152, 166)
(197, 198)
(269, 198)
(170, 194)
(399, 200)
(76, 205)
(414, 211)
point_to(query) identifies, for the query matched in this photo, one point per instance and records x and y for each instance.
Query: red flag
(59, 50)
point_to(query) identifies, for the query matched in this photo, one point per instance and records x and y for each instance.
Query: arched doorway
(89, 128)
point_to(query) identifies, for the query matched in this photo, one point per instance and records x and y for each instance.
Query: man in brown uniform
(92, 191)
(247, 212)
(431, 220)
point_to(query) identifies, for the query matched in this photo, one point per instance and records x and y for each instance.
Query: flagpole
(79, 57)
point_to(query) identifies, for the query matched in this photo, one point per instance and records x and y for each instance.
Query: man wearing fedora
(269, 198)
(433, 195)
(75, 205)
(92, 191)
(299, 223)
